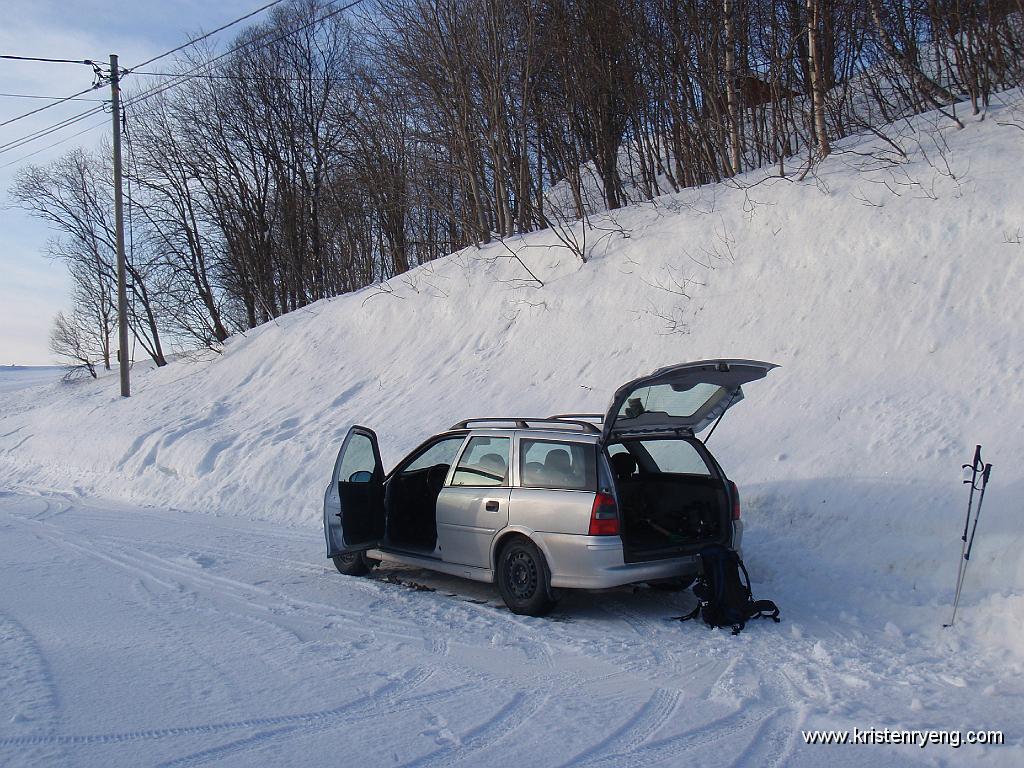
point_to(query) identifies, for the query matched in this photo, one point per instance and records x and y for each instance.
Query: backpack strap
(691, 615)
(746, 577)
(764, 609)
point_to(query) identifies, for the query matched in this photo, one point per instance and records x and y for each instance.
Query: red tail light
(735, 500)
(604, 516)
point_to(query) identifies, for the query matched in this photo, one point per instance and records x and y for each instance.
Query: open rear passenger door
(679, 398)
(354, 501)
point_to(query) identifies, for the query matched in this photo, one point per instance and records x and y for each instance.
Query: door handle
(491, 506)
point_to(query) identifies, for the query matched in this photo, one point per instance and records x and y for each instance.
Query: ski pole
(975, 467)
(977, 512)
(986, 472)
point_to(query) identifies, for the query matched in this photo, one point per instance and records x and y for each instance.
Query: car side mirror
(362, 476)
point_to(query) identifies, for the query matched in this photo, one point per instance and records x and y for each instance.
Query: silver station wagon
(535, 504)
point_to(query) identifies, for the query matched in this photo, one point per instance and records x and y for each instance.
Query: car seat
(557, 467)
(494, 463)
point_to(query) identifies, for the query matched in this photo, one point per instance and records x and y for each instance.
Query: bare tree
(74, 339)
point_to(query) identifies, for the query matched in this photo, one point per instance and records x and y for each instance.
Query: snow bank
(887, 290)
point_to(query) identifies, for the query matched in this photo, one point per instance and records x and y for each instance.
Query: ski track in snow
(265, 653)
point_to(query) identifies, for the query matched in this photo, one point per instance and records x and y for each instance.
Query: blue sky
(34, 288)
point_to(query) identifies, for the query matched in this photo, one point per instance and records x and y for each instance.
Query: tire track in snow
(771, 745)
(323, 723)
(532, 639)
(439, 646)
(635, 731)
(176, 577)
(673, 750)
(183, 638)
(31, 695)
(390, 692)
(179, 598)
(524, 638)
(647, 630)
(506, 721)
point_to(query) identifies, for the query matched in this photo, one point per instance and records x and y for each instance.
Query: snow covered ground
(142, 636)
(15, 377)
(887, 289)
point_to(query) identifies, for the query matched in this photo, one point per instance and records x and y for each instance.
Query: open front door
(354, 501)
(689, 396)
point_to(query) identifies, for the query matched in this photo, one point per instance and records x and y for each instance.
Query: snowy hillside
(887, 290)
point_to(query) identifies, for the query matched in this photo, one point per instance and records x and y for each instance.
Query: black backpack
(725, 598)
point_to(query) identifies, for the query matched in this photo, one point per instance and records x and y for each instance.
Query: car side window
(555, 464)
(484, 462)
(358, 461)
(441, 452)
(676, 457)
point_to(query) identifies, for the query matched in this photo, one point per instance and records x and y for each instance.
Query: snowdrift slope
(889, 294)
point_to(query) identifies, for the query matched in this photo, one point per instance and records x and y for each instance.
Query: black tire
(354, 564)
(524, 579)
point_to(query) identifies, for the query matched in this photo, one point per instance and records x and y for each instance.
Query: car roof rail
(578, 416)
(526, 422)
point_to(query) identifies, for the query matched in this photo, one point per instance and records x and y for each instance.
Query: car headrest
(558, 460)
(624, 465)
(493, 461)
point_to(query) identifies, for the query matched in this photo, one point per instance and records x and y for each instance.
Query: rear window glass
(555, 464)
(676, 457)
(663, 398)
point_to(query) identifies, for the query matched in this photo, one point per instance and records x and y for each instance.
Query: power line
(95, 67)
(88, 62)
(221, 28)
(48, 98)
(42, 132)
(178, 79)
(185, 76)
(52, 104)
(104, 122)
(204, 76)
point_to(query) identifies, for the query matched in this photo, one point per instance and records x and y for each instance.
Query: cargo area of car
(665, 512)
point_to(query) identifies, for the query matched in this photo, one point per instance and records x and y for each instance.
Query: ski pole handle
(977, 513)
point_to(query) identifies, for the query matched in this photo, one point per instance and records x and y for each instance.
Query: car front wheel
(524, 579)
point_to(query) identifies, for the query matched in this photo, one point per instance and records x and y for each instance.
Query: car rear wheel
(354, 563)
(524, 579)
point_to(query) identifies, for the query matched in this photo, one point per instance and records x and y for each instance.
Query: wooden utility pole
(122, 290)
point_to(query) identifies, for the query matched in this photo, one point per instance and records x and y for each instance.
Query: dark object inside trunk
(667, 515)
